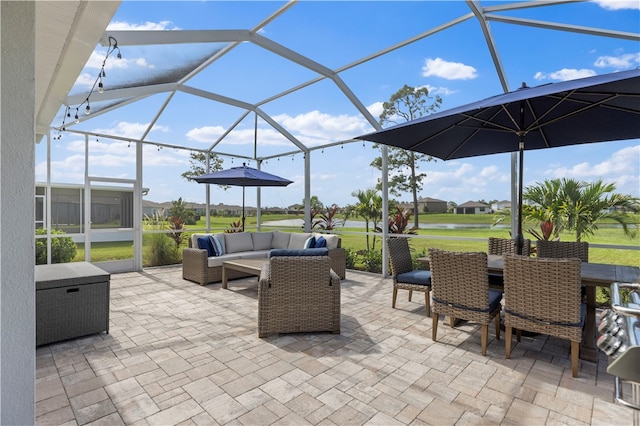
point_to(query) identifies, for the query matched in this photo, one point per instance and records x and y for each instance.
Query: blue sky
(453, 63)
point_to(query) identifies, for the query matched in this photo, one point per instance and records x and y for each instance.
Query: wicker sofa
(203, 269)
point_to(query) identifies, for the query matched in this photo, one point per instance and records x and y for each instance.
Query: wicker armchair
(500, 246)
(543, 296)
(460, 288)
(403, 274)
(298, 292)
(563, 249)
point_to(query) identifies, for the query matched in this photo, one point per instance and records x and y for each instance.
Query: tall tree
(406, 104)
(198, 164)
(578, 206)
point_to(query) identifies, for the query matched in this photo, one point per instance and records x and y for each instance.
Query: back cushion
(280, 240)
(237, 242)
(297, 240)
(262, 240)
(332, 239)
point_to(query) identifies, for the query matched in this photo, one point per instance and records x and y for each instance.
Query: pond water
(361, 224)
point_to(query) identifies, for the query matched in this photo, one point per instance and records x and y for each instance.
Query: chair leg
(452, 322)
(483, 338)
(434, 327)
(395, 296)
(427, 302)
(410, 294)
(518, 335)
(498, 327)
(507, 341)
(575, 350)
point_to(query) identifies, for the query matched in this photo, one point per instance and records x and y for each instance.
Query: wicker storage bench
(72, 300)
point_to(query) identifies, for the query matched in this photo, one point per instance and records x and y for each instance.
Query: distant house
(504, 204)
(427, 204)
(472, 207)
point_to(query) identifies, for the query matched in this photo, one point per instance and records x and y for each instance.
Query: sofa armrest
(194, 265)
(338, 261)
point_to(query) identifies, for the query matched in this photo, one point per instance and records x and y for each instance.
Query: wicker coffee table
(249, 266)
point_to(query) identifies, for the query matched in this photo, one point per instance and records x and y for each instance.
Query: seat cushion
(417, 276)
(495, 297)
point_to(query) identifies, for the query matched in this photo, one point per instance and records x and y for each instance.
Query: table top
(594, 274)
(255, 263)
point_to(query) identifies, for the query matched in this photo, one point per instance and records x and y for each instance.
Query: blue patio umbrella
(242, 176)
(593, 109)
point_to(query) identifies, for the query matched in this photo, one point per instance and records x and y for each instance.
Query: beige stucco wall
(17, 288)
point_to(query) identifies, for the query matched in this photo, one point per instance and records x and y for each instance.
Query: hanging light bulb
(87, 110)
(76, 119)
(104, 74)
(100, 87)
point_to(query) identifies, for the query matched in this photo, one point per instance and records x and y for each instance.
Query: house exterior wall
(17, 195)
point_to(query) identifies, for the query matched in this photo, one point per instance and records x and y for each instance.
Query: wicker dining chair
(460, 289)
(500, 246)
(542, 295)
(563, 249)
(403, 274)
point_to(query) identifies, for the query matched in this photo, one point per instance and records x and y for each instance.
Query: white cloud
(438, 90)
(622, 62)
(148, 26)
(438, 67)
(312, 129)
(621, 168)
(564, 74)
(618, 4)
(131, 130)
(376, 109)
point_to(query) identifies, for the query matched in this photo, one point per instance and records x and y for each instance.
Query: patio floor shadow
(179, 353)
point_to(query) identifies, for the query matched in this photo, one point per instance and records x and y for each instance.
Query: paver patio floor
(179, 353)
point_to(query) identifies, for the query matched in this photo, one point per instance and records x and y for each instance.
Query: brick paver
(178, 352)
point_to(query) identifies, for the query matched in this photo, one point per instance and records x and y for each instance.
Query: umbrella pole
(242, 208)
(519, 237)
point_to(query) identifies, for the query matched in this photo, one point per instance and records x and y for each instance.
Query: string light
(113, 47)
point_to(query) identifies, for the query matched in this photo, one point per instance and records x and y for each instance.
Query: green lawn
(473, 239)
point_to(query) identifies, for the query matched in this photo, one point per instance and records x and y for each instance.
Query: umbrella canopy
(593, 109)
(242, 176)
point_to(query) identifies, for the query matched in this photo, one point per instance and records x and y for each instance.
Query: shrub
(63, 249)
(351, 257)
(161, 251)
(372, 260)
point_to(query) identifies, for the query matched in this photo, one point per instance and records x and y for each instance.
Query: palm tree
(368, 207)
(579, 206)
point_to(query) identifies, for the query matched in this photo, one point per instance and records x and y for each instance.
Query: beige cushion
(332, 240)
(297, 240)
(262, 240)
(280, 240)
(238, 241)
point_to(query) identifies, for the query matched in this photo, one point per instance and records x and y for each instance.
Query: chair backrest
(563, 249)
(545, 293)
(399, 255)
(298, 272)
(506, 245)
(459, 278)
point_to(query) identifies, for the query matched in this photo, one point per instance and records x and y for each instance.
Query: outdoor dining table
(593, 275)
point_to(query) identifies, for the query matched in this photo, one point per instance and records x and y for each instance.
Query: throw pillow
(205, 244)
(320, 242)
(218, 250)
(310, 243)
